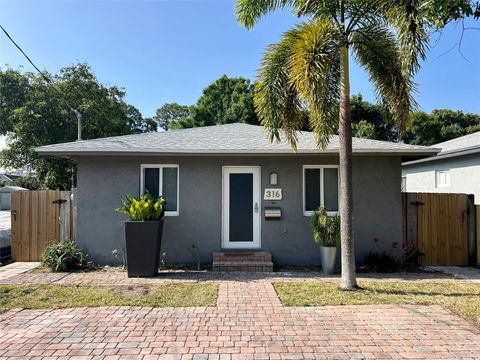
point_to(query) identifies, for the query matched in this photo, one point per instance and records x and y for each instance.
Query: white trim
(160, 182)
(321, 168)
(447, 178)
(226, 171)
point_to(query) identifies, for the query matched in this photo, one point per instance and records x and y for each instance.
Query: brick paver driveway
(247, 323)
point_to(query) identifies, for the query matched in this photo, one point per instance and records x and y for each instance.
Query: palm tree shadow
(423, 293)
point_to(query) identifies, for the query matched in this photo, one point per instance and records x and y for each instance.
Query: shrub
(380, 261)
(325, 228)
(411, 254)
(64, 255)
(143, 208)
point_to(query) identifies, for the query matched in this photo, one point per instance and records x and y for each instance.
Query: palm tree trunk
(349, 280)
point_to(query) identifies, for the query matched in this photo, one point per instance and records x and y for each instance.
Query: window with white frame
(404, 184)
(161, 180)
(442, 178)
(320, 188)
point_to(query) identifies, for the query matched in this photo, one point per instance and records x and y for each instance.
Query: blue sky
(168, 51)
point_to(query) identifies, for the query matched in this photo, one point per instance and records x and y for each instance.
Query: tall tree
(372, 121)
(226, 100)
(440, 125)
(170, 115)
(34, 113)
(310, 67)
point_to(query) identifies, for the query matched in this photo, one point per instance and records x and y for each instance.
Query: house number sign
(272, 194)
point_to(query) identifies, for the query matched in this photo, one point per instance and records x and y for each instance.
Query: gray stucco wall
(464, 176)
(103, 181)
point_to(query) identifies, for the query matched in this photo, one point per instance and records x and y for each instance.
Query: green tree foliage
(171, 116)
(440, 12)
(372, 121)
(363, 129)
(440, 125)
(28, 182)
(34, 113)
(227, 100)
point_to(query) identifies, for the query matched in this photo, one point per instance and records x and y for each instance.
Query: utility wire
(49, 81)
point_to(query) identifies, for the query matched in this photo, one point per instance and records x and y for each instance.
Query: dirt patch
(133, 290)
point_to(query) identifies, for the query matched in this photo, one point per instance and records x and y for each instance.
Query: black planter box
(143, 240)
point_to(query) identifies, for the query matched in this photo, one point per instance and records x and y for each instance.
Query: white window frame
(322, 197)
(160, 182)
(404, 182)
(447, 175)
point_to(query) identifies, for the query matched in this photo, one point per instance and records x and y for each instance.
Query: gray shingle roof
(461, 143)
(219, 139)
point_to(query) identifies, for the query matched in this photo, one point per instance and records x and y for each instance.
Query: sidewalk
(14, 269)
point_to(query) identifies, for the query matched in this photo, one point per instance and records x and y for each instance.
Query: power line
(26, 56)
(49, 81)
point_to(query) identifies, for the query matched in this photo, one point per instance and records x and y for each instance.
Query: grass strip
(65, 296)
(461, 298)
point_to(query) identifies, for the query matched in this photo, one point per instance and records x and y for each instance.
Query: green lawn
(460, 297)
(63, 296)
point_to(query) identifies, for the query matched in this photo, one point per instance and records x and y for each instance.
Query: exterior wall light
(273, 178)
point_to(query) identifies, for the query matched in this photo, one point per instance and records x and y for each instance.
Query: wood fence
(38, 218)
(443, 226)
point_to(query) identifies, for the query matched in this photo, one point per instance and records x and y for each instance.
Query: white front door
(241, 207)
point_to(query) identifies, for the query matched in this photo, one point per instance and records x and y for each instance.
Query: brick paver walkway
(117, 277)
(15, 270)
(248, 323)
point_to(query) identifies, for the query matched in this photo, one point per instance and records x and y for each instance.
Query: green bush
(380, 261)
(64, 255)
(143, 208)
(325, 228)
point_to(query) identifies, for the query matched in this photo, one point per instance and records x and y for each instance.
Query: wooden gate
(38, 218)
(439, 223)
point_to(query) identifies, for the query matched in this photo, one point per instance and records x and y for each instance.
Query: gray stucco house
(228, 187)
(455, 169)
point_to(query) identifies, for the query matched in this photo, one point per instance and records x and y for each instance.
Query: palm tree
(309, 68)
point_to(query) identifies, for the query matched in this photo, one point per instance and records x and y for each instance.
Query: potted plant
(326, 233)
(143, 233)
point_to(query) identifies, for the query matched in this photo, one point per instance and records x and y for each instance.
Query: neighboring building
(216, 180)
(455, 169)
(8, 177)
(5, 195)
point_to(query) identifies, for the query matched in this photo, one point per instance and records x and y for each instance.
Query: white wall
(464, 176)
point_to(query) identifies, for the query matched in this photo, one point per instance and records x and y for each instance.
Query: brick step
(254, 266)
(242, 256)
(242, 260)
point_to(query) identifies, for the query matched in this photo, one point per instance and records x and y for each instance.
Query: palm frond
(276, 100)
(411, 27)
(314, 70)
(378, 52)
(250, 11)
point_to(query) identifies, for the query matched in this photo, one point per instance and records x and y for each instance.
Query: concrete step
(242, 261)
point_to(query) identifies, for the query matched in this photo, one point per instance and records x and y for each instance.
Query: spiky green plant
(143, 208)
(309, 68)
(325, 228)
